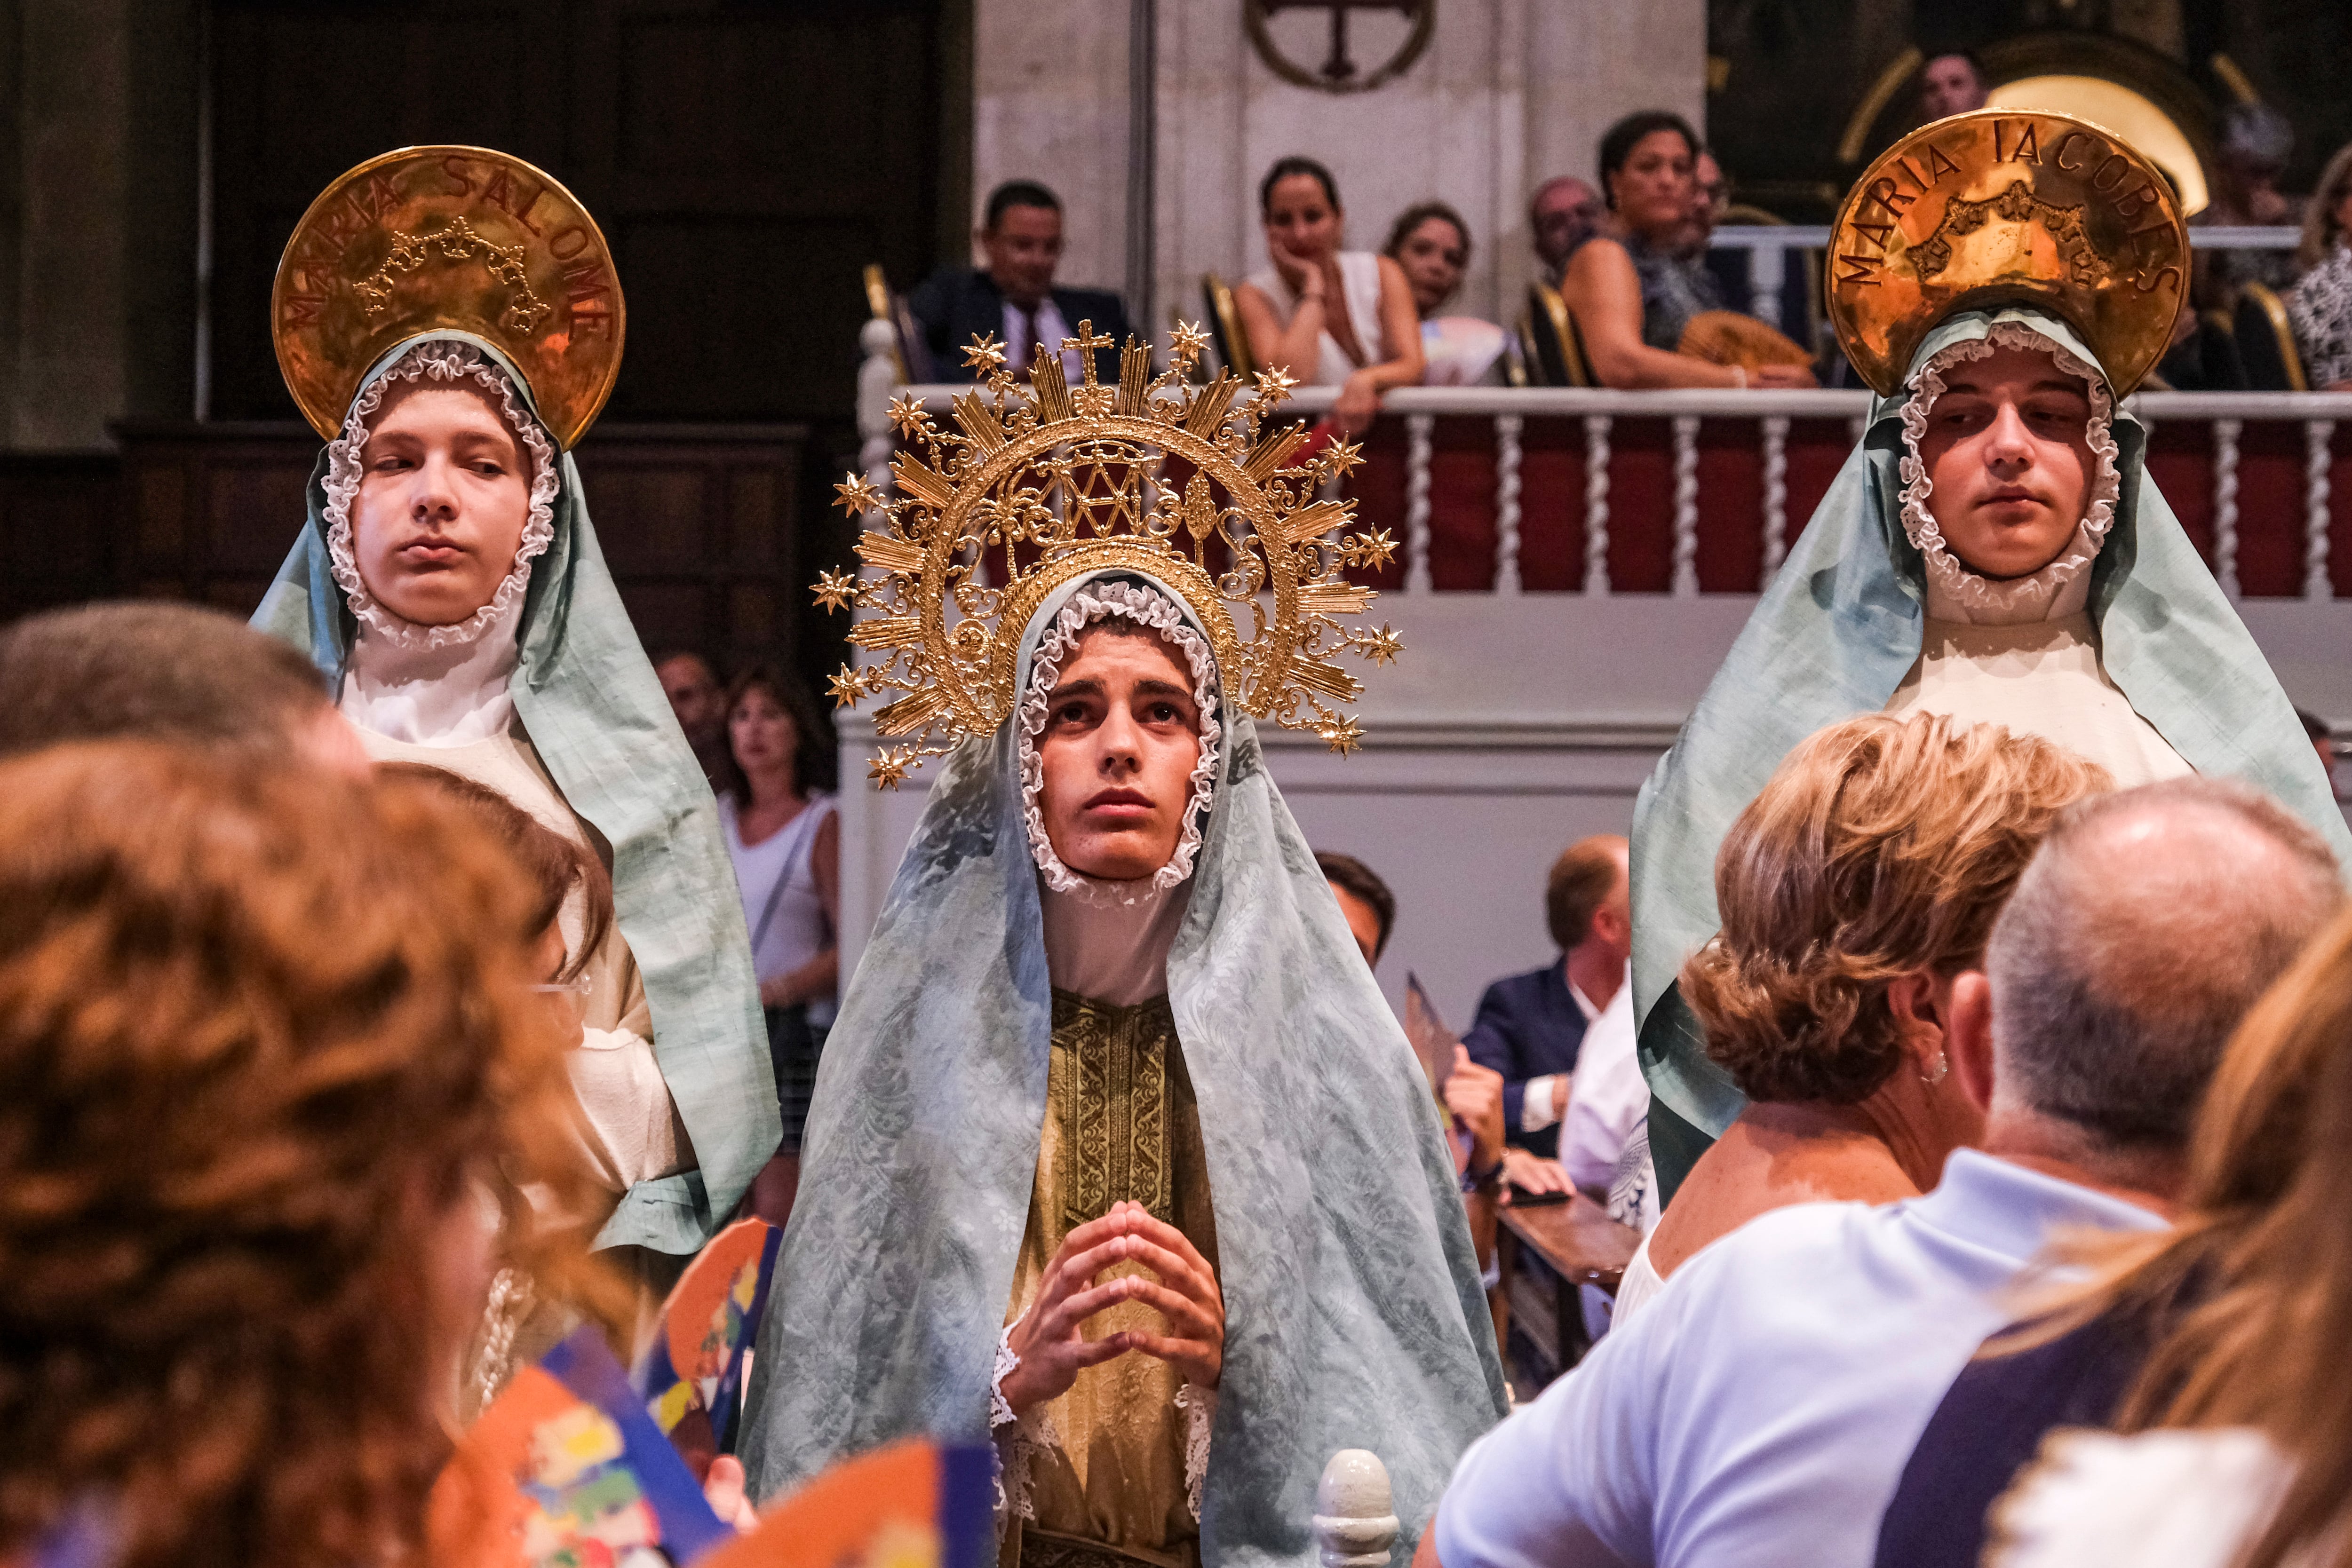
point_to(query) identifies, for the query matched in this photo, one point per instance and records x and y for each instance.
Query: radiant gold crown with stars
(1051, 482)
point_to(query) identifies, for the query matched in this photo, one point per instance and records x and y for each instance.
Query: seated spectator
(1328, 317)
(2257, 144)
(1014, 299)
(1952, 82)
(1530, 1028)
(1563, 214)
(2236, 1324)
(165, 672)
(1364, 899)
(265, 1034)
(1431, 245)
(1760, 1410)
(1635, 287)
(2203, 356)
(1853, 889)
(2158, 1314)
(2320, 305)
(699, 701)
(1712, 200)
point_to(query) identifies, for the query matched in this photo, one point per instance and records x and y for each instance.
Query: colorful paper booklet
(690, 1373)
(565, 1469)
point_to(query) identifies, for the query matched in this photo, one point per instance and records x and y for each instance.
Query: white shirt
(1761, 1411)
(1539, 1100)
(1607, 1094)
(1048, 327)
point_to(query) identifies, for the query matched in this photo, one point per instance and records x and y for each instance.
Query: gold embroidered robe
(1106, 1463)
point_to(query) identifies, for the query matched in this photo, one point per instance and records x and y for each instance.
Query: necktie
(1028, 340)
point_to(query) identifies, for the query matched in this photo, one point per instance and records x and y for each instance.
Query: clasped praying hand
(1177, 1283)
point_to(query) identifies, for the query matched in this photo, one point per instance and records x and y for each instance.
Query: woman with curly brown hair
(1864, 877)
(266, 1039)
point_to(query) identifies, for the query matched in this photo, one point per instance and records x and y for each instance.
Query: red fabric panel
(2269, 508)
(1551, 505)
(2181, 461)
(1730, 506)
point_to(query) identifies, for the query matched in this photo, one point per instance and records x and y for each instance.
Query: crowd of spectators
(1652, 304)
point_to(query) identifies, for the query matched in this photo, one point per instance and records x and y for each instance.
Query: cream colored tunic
(1107, 1459)
(2041, 678)
(629, 1130)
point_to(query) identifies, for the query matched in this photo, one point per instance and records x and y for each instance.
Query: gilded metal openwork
(439, 238)
(1046, 482)
(2005, 207)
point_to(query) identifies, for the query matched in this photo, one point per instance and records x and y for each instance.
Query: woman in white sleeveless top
(1329, 317)
(785, 840)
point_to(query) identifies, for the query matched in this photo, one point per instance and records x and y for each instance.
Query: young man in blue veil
(448, 319)
(1994, 548)
(1118, 1156)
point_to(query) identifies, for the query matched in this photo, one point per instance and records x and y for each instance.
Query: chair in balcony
(908, 347)
(2267, 341)
(1553, 348)
(1225, 326)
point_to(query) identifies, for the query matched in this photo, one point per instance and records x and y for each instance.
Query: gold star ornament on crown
(1189, 483)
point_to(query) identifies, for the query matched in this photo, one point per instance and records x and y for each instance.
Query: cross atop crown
(1085, 343)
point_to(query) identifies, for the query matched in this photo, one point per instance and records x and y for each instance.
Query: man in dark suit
(1013, 298)
(1530, 1026)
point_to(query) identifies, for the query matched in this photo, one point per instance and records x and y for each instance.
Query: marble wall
(1507, 93)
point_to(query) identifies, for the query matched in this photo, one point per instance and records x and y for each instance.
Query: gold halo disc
(441, 238)
(2004, 206)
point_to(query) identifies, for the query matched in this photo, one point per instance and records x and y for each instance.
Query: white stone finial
(1354, 1522)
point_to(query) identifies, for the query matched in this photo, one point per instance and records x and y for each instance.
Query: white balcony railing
(2228, 418)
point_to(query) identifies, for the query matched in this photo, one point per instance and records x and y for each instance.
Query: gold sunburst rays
(1050, 482)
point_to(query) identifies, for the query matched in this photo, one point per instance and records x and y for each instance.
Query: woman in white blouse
(785, 840)
(1328, 317)
(2242, 1456)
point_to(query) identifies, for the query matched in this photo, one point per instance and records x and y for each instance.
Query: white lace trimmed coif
(1154, 610)
(438, 360)
(2060, 588)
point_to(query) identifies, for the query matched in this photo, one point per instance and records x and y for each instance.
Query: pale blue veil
(599, 720)
(1354, 1314)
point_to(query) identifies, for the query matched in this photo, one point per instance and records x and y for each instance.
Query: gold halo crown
(1998, 207)
(1068, 480)
(439, 238)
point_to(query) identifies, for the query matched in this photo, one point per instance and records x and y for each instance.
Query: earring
(1943, 1067)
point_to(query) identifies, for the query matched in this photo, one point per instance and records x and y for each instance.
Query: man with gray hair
(2135, 969)
(1760, 1409)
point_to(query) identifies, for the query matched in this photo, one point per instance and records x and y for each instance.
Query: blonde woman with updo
(1853, 888)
